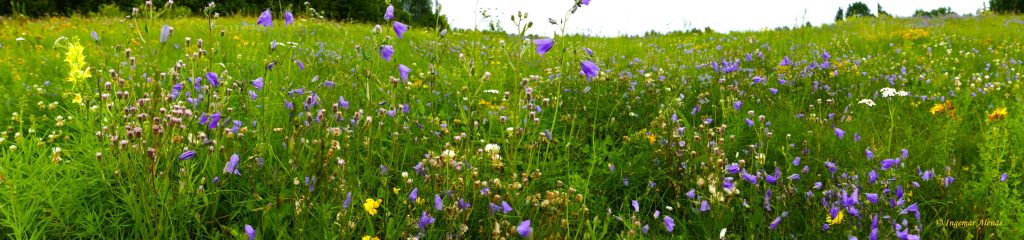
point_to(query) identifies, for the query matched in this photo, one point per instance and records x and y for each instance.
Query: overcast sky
(632, 17)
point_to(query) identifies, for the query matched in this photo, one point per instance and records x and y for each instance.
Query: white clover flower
(492, 91)
(492, 148)
(448, 154)
(868, 102)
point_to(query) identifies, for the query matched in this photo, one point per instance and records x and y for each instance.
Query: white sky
(633, 17)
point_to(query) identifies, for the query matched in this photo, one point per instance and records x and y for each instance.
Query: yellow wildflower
(997, 114)
(946, 107)
(938, 108)
(651, 137)
(914, 34)
(837, 220)
(370, 238)
(78, 99)
(396, 190)
(371, 205)
(76, 61)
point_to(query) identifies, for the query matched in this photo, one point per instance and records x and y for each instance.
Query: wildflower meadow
(283, 125)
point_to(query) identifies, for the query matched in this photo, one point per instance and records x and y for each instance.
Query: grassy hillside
(887, 128)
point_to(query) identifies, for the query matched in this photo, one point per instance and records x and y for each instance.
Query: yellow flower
(997, 114)
(370, 238)
(938, 108)
(837, 220)
(946, 107)
(76, 61)
(371, 205)
(914, 34)
(78, 98)
(396, 190)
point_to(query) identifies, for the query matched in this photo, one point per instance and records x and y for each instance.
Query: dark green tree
(938, 12)
(839, 15)
(881, 13)
(858, 9)
(1006, 6)
(418, 13)
(422, 13)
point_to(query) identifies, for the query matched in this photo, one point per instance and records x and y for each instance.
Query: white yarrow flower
(889, 92)
(868, 102)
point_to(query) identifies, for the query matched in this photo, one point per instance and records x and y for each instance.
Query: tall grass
(660, 121)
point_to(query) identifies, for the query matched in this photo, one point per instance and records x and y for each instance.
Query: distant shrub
(110, 10)
(179, 12)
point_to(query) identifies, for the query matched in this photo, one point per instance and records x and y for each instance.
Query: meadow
(151, 127)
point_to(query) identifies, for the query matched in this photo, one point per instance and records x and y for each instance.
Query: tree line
(859, 9)
(414, 12)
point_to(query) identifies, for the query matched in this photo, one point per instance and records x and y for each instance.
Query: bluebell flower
(258, 83)
(670, 224)
(771, 179)
(250, 232)
(589, 69)
(889, 163)
(232, 166)
(872, 197)
(733, 168)
(543, 45)
(438, 203)
(265, 19)
(389, 13)
(505, 208)
(831, 167)
(425, 220)
(386, 52)
(187, 155)
(348, 199)
(165, 33)
(524, 228)
(213, 79)
(404, 72)
(399, 28)
(748, 177)
(414, 195)
(288, 18)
